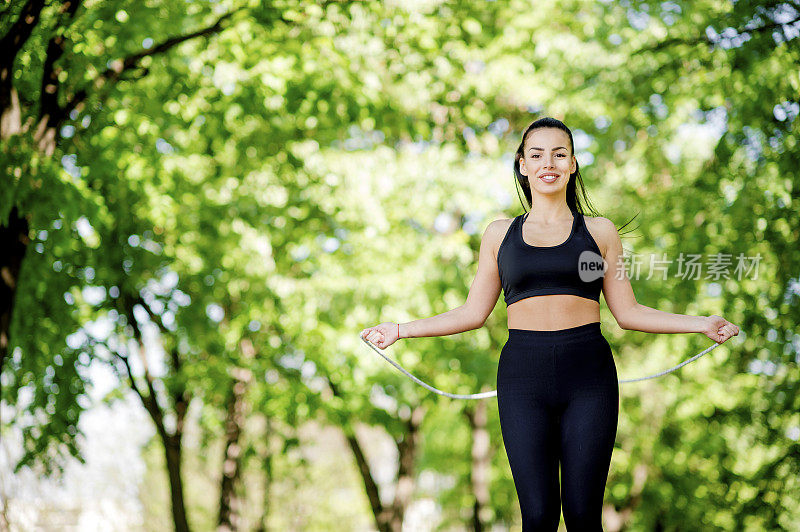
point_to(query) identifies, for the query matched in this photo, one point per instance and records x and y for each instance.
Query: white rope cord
(493, 393)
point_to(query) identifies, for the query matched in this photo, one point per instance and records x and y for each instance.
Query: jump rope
(493, 393)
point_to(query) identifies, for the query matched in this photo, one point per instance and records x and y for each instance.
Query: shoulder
(496, 230)
(601, 224)
(499, 225)
(602, 230)
(495, 233)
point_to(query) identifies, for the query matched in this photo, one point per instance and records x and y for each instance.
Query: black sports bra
(575, 266)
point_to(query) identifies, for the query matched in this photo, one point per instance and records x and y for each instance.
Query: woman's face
(547, 160)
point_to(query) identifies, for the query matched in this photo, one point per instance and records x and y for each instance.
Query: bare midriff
(552, 312)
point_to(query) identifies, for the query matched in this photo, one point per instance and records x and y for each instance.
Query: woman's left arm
(631, 315)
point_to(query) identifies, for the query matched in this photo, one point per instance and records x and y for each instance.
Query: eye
(563, 154)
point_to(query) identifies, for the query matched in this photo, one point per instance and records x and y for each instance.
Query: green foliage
(321, 168)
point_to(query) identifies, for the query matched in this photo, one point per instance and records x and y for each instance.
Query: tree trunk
(408, 448)
(267, 468)
(172, 451)
(371, 487)
(481, 462)
(229, 504)
(180, 400)
(14, 242)
(388, 518)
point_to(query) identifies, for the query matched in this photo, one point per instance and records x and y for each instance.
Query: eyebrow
(554, 149)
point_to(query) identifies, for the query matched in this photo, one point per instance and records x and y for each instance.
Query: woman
(557, 387)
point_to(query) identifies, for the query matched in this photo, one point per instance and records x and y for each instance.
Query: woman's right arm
(481, 299)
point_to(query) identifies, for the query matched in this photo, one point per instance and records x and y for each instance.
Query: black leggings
(558, 400)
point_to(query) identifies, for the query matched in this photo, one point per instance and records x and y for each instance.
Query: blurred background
(204, 202)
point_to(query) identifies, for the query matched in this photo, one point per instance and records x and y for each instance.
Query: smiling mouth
(549, 178)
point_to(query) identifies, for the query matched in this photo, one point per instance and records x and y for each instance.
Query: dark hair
(575, 180)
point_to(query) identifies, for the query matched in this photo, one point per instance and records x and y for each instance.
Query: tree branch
(152, 403)
(120, 66)
(148, 401)
(692, 41)
(129, 373)
(19, 33)
(155, 318)
(10, 45)
(50, 113)
(55, 49)
(179, 396)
